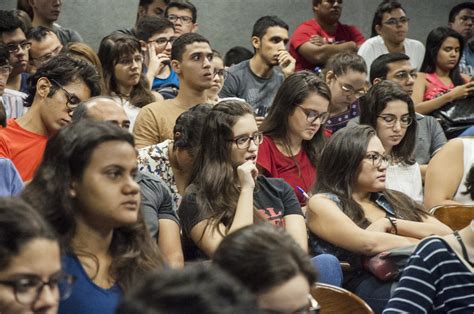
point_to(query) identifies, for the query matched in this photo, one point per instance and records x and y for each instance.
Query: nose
(252, 146)
(47, 298)
(397, 126)
(410, 81)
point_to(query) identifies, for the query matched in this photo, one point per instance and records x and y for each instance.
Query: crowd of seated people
(159, 175)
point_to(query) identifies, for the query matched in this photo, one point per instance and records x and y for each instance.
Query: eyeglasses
(311, 308)
(15, 48)
(244, 141)
(162, 41)
(393, 21)
(129, 61)
(28, 288)
(390, 120)
(377, 159)
(72, 101)
(313, 115)
(6, 69)
(222, 73)
(48, 56)
(350, 91)
(466, 19)
(404, 75)
(185, 19)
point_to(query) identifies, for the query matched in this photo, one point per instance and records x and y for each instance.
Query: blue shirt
(10, 181)
(172, 79)
(87, 297)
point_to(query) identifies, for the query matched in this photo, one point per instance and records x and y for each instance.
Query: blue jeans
(328, 268)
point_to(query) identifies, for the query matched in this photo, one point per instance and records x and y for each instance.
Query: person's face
(162, 42)
(464, 23)
(18, 55)
(156, 8)
(448, 54)
(268, 47)
(107, 193)
(298, 123)
(403, 73)
(56, 111)
(42, 51)
(329, 11)
(195, 67)
(394, 26)
(244, 127)
(392, 135)
(128, 69)
(39, 258)
(371, 173)
(108, 110)
(345, 88)
(289, 297)
(47, 10)
(182, 20)
(218, 78)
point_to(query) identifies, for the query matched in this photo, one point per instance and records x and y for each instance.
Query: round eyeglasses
(377, 159)
(389, 120)
(313, 115)
(244, 141)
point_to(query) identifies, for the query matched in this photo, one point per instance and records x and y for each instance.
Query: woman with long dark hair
(85, 187)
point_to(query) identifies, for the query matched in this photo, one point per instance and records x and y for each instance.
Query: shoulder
(239, 68)
(414, 43)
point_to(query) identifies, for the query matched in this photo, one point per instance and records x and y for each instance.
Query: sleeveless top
(435, 87)
(468, 144)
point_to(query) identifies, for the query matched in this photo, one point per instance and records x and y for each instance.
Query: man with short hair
(461, 19)
(151, 8)
(55, 90)
(183, 15)
(257, 80)
(46, 13)
(44, 45)
(191, 57)
(316, 40)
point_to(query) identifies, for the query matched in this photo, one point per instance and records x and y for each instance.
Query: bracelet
(393, 222)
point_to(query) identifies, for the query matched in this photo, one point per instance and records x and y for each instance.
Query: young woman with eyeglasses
(226, 192)
(122, 65)
(352, 214)
(390, 111)
(218, 77)
(85, 188)
(31, 280)
(294, 130)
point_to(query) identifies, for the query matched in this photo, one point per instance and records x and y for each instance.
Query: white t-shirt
(405, 179)
(130, 110)
(375, 47)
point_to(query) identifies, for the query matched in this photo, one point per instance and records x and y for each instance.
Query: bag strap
(463, 247)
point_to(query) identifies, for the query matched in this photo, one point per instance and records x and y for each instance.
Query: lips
(131, 205)
(252, 158)
(381, 178)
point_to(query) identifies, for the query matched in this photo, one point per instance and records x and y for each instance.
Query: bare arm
(169, 242)
(319, 54)
(419, 230)
(296, 227)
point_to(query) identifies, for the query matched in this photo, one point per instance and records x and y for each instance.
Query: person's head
(444, 48)
(299, 111)
(44, 45)
(461, 19)
(57, 87)
(390, 22)
(122, 65)
(24, 5)
(327, 11)
(346, 74)
(269, 37)
(218, 76)
(395, 67)
(5, 67)
(46, 11)
(158, 32)
(198, 288)
(25, 19)
(270, 264)
(102, 108)
(12, 34)
(237, 54)
(183, 14)
(390, 111)
(191, 57)
(29, 257)
(87, 178)
(151, 8)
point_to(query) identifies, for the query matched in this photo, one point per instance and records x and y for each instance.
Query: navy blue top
(172, 79)
(87, 297)
(24, 82)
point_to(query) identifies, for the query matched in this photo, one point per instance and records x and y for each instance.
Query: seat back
(334, 299)
(454, 216)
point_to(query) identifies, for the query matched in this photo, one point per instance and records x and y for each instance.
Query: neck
(181, 175)
(360, 196)
(188, 97)
(125, 90)
(14, 82)
(32, 122)
(467, 235)
(394, 47)
(295, 142)
(441, 73)
(259, 67)
(328, 27)
(92, 239)
(39, 21)
(335, 110)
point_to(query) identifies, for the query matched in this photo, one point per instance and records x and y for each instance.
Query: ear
(378, 29)
(330, 76)
(176, 65)
(256, 42)
(376, 80)
(43, 86)
(195, 27)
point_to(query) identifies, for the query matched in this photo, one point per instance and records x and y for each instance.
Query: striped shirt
(434, 281)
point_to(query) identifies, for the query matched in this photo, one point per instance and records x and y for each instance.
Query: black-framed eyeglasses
(390, 120)
(377, 159)
(222, 73)
(394, 21)
(185, 19)
(48, 56)
(404, 75)
(163, 41)
(28, 288)
(311, 308)
(6, 69)
(350, 91)
(244, 141)
(14, 48)
(72, 101)
(313, 115)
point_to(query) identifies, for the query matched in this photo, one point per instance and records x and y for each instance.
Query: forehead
(107, 110)
(245, 125)
(113, 153)
(50, 41)
(464, 12)
(276, 31)
(397, 66)
(396, 107)
(450, 42)
(197, 47)
(78, 88)
(157, 4)
(394, 13)
(375, 145)
(180, 12)
(16, 36)
(217, 62)
(168, 32)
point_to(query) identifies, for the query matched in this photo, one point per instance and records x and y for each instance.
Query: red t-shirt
(310, 28)
(277, 165)
(24, 148)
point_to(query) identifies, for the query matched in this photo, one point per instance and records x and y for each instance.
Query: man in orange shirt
(56, 89)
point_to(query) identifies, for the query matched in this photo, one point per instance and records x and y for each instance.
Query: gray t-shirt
(66, 35)
(259, 92)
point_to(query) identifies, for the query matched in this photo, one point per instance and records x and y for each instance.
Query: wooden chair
(333, 299)
(454, 216)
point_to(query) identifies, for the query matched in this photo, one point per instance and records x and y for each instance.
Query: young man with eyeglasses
(318, 39)
(55, 90)
(44, 45)
(389, 30)
(183, 15)
(461, 19)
